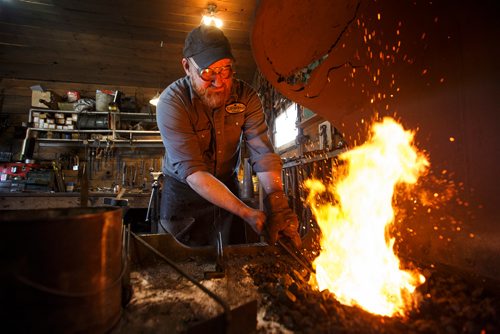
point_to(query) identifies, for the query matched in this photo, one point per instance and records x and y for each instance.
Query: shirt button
(237, 123)
(218, 132)
(220, 152)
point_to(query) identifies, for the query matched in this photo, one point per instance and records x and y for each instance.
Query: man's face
(215, 91)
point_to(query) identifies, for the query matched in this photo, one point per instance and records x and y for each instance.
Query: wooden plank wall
(120, 42)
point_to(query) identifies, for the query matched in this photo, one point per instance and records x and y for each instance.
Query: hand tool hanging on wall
(124, 171)
(84, 186)
(135, 175)
(75, 162)
(98, 158)
(91, 162)
(143, 176)
(59, 180)
(129, 174)
(117, 169)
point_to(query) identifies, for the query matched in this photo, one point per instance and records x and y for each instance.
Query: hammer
(220, 270)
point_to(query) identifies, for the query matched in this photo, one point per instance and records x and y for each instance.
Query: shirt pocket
(204, 138)
(233, 124)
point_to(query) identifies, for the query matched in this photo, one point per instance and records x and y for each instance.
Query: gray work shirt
(197, 138)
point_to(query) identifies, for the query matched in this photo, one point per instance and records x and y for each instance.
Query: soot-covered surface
(449, 303)
(163, 301)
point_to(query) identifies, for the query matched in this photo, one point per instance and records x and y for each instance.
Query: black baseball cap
(206, 45)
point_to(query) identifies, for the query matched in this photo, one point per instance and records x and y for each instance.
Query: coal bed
(164, 301)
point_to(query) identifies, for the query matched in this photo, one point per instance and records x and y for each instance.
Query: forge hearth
(164, 301)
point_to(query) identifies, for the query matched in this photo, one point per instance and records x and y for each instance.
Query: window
(286, 128)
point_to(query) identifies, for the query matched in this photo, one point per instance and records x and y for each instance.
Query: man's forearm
(271, 181)
(214, 191)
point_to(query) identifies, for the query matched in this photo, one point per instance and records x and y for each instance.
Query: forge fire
(357, 261)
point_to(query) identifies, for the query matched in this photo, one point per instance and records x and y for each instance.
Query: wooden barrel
(61, 270)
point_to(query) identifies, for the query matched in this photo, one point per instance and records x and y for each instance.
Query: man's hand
(214, 191)
(282, 220)
(256, 219)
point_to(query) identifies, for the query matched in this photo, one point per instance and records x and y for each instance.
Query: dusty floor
(163, 301)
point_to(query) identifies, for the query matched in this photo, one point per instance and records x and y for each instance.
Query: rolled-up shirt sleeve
(183, 153)
(262, 155)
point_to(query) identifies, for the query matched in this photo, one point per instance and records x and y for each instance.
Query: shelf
(38, 116)
(93, 112)
(135, 116)
(117, 143)
(72, 131)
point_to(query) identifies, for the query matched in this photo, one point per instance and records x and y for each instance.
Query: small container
(73, 96)
(66, 106)
(70, 186)
(102, 99)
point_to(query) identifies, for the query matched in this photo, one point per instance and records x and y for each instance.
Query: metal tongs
(296, 254)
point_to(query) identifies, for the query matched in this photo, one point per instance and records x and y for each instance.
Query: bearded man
(203, 119)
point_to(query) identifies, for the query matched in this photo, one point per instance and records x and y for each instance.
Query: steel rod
(212, 295)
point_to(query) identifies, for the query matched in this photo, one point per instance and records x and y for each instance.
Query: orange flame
(357, 261)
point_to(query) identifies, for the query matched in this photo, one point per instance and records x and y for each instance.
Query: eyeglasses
(208, 74)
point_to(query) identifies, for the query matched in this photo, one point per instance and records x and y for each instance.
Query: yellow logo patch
(235, 108)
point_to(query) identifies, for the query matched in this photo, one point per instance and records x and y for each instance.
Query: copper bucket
(61, 270)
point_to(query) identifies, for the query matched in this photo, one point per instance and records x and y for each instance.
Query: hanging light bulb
(218, 22)
(155, 99)
(206, 20)
(209, 18)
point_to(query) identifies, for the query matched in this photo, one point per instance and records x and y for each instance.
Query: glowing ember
(357, 262)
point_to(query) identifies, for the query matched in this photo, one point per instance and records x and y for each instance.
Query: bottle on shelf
(113, 105)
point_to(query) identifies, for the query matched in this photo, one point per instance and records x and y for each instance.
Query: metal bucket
(91, 122)
(61, 270)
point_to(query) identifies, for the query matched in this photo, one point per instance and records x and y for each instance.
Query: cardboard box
(37, 95)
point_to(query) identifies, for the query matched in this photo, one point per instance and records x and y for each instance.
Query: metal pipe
(212, 295)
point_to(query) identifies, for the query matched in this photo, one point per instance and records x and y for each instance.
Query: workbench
(41, 200)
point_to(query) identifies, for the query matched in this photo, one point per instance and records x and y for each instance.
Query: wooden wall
(121, 42)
